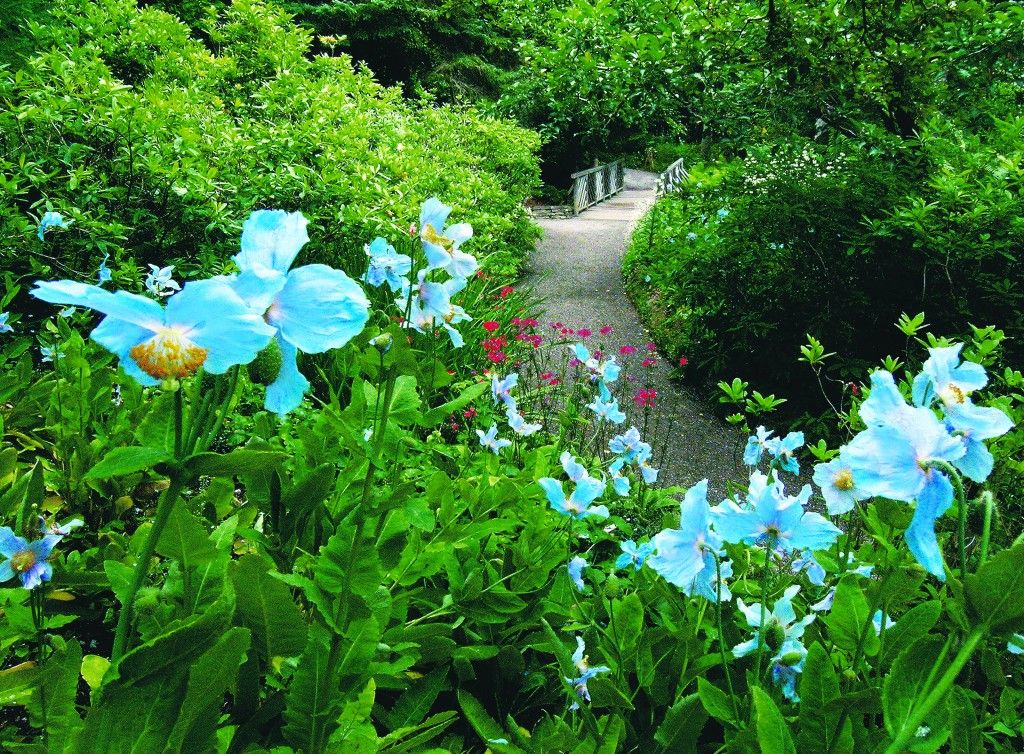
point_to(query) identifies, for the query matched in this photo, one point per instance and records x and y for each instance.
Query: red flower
(491, 325)
(584, 332)
(627, 350)
(606, 330)
(683, 361)
(649, 362)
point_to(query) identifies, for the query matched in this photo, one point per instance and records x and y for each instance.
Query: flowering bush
(313, 513)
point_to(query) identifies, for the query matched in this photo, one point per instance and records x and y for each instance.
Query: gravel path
(576, 270)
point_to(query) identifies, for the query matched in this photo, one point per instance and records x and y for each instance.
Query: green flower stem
(163, 513)
(986, 528)
(961, 501)
(911, 725)
(721, 633)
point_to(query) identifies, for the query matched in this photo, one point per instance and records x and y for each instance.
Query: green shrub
(157, 145)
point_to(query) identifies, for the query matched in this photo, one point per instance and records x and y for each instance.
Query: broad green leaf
(995, 594)
(485, 726)
(680, 730)
(209, 678)
(849, 616)
(238, 462)
(772, 732)
(715, 701)
(265, 606)
(185, 539)
(819, 687)
(914, 624)
(909, 680)
(129, 460)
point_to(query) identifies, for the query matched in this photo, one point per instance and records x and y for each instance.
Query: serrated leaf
(819, 687)
(265, 606)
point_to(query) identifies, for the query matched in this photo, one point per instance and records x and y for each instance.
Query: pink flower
(491, 325)
(627, 350)
(584, 332)
(606, 330)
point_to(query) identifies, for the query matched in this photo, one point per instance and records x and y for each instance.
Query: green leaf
(485, 726)
(680, 730)
(438, 414)
(914, 624)
(238, 462)
(129, 460)
(772, 732)
(266, 607)
(908, 682)
(209, 678)
(314, 700)
(819, 686)
(995, 594)
(714, 700)
(846, 623)
(185, 539)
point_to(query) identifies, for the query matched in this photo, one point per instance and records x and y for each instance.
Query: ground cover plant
(311, 522)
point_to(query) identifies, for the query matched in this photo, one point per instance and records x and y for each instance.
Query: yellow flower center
(843, 480)
(169, 354)
(952, 394)
(430, 235)
(23, 560)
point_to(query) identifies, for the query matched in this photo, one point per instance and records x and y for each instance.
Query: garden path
(576, 271)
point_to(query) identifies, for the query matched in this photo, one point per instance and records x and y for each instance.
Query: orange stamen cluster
(168, 354)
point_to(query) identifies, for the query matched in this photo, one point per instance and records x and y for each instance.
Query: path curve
(577, 270)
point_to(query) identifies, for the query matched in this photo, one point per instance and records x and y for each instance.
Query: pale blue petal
(319, 308)
(271, 238)
(285, 393)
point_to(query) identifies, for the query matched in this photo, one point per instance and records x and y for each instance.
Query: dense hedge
(157, 144)
(750, 256)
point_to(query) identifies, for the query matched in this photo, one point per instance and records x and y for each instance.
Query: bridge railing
(671, 178)
(597, 184)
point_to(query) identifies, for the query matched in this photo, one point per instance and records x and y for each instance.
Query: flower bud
(264, 369)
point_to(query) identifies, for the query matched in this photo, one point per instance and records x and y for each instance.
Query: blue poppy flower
(578, 504)
(685, 556)
(586, 672)
(52, 220)
(25, 559)
(519, 425)
(838, 486)
(103, 274)
(774, 519)
(891, 459)
(575, 569)
(633, 554)
(441, 243)
(783, 449)
(386, 265)
(159, 281)
(501, 389)
(757, 444)
(313, 308)
(491, 441)
(206, 325)
(4, 325)
(781, 626)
